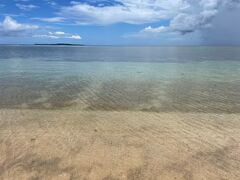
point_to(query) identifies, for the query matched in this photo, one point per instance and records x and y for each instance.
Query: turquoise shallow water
(159, 79)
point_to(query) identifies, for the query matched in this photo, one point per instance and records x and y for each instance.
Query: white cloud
(45, 36)
(51, 20)
(75, 37)
(9, 24)
(10, 27)
(58, 35)
(199, 16)
(128, 11)
(160, 29)
(21, 0)
(50, 2)
(185, 16)
(27, 7)
(184, 23)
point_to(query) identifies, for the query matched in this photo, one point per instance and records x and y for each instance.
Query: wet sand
(70, 144)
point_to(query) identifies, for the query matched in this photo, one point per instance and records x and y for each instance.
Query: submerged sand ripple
(43, 144)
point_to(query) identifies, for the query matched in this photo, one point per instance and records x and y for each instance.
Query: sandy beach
(68, 144)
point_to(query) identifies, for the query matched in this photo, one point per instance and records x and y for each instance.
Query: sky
(120, 22)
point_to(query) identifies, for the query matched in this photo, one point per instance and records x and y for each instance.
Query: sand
(68, 144)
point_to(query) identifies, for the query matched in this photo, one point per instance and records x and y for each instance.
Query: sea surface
(152, 79)
(121, 113)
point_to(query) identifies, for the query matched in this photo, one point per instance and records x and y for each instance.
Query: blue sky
(121, 22)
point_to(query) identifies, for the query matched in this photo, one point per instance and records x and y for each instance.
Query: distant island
(59, 44)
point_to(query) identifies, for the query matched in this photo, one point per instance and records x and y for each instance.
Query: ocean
(158, 79)
(119, 113)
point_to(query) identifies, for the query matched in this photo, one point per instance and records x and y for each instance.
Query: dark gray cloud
(217, 21)
(203, 17)
(225, 29)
